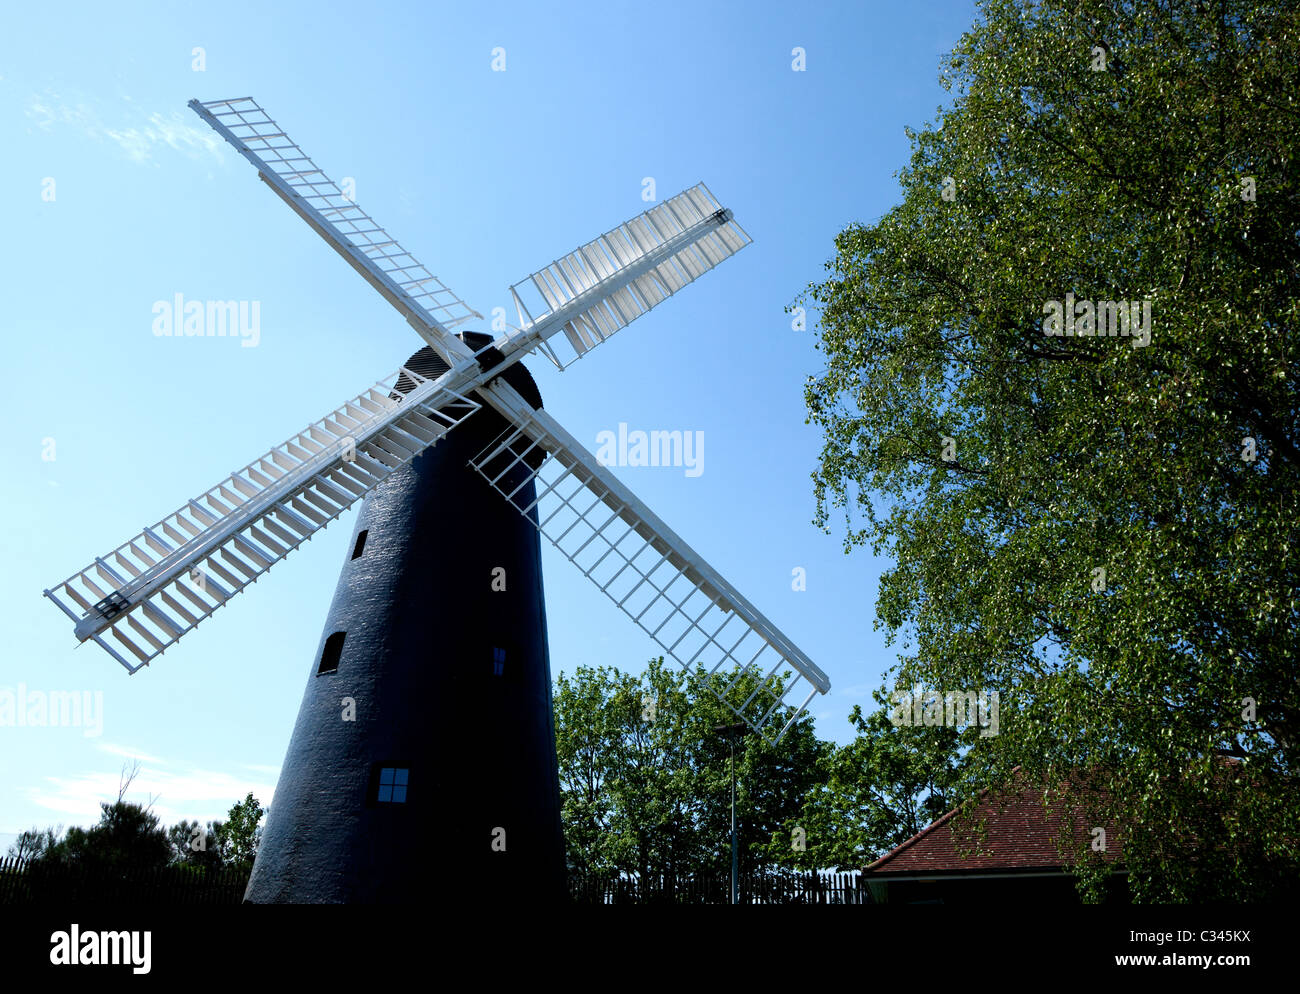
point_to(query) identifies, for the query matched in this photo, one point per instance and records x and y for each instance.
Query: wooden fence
(40, 883)
(36, 883)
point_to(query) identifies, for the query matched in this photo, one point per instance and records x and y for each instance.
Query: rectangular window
(332, 653)
(498, 662)
(361, 543)
(392, 784)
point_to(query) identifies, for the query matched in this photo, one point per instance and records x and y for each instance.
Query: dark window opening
(361, 543)
(329, 659)
(391, 788)
(498, 662)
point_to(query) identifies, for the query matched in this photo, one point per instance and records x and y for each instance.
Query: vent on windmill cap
(426, 363)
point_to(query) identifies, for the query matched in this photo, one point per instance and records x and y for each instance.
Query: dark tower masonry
(445, 781)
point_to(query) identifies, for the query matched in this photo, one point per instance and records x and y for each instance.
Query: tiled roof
(1019, 836)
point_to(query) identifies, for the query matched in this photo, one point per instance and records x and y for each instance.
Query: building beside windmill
(1015, 860)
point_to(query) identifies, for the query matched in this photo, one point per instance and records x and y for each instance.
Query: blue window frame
(392, 784)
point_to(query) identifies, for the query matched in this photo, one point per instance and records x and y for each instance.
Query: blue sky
(486, 176)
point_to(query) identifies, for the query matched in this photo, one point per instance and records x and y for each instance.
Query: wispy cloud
(139, 134)
(176, 793)
(129, 753)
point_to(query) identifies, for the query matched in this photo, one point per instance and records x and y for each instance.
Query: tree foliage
(645, 780)
(240, 834)
(1105, 533)
(194, 845)
(879, 790)
(130, 836)
(127, 836)
(34, 843)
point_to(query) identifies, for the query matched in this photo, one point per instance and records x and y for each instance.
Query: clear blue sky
(486, 176)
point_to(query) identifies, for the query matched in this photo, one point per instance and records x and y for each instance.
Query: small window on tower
(361, 543)
(498, 662)
(329, 658)
(392, 785)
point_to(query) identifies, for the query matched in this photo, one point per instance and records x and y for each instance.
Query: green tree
(240, 834)
(881, 789)
(645, 781)
(127, 837)
(1105, 533)
(35, 843)
(185, 835)
(772, 782)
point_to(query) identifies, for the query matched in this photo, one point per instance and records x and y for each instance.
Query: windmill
(447, 680)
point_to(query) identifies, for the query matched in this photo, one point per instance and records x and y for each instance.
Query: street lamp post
(731, 733)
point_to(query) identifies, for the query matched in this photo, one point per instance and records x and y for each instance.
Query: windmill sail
(140, 598)
(602, 286)
(653, 576)
(157, 587)
(430, 307)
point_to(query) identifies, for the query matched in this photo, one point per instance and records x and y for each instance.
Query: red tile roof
(1019, 836)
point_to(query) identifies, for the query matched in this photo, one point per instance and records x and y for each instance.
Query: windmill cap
(429, 364)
